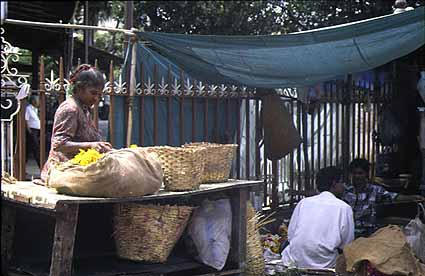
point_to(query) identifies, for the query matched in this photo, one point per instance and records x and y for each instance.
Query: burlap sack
(119, 173)
(387, 250)
(280, 134)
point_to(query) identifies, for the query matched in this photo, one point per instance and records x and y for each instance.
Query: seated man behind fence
(320, 225)
(363, 196)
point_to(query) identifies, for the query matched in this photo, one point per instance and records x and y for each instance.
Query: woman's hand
(101, 147)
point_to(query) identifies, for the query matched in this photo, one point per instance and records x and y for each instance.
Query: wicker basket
(218, 160)
(148, 232)
(255, 264)
(183, 167)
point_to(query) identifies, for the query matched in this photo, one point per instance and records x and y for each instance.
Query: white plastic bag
(210, 230)
(415, 234)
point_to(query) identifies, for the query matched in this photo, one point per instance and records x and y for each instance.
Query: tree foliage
(208, 17)
(254, 17)
(101, 12)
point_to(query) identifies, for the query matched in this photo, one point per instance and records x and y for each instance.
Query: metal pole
(11, 148)
(65, 26)
(3, 146)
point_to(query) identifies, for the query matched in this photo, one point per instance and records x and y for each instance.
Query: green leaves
(254, 17)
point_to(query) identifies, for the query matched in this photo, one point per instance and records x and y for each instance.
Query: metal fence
(334, 130)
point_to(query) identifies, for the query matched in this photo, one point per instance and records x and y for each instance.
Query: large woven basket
(218, 160)
(183, 167)
(255, 264)
(148, 232)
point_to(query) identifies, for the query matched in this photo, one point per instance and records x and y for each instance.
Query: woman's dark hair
(359, 163)
(86, 76)
(326, 176)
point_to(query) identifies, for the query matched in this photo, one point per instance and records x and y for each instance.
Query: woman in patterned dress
(73, 128)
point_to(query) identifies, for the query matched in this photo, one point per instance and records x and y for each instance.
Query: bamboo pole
(67, 26)
(132, 90)
(96, 105)
(61, 91)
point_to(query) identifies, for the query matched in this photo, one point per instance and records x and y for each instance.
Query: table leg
(63, 241)
(238, 247)
(8, 215)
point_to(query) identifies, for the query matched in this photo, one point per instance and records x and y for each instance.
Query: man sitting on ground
(320, 225)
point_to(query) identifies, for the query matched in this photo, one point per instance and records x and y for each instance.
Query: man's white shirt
(31, 117)
(319, 225)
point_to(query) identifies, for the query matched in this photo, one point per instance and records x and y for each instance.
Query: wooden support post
(169, 108)
(216, 135)
(238, 247)
(111, 103)
(206, 119)
(346, 124)
(61, 82)
(181, 111)
(238, 137)
(21, 141)
(35, 56)
(69, 51)
(63, 241)
(247, 139)
(96, 105)
(142, 107)
(304, 122)
(42, 92)
(155, 105)
(132, 93)
(275, 185)
(86, 32)
(258, 135)
(8, 215)
(193, 103)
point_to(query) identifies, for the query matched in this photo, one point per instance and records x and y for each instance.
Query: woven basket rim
(207, 144)
(167, 148)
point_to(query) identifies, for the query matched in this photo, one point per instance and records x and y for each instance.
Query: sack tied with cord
(118, 173)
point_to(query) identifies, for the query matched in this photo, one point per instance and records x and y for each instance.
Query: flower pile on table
(274, 242)
(86, 157)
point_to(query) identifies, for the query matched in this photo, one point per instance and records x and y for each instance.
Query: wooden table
(65, 210)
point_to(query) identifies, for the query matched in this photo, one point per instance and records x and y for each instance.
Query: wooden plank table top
(65, 209)
(39, 196)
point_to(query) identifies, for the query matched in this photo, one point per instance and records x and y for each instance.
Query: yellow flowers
(85, 158)
(274, 242)
(133, 146)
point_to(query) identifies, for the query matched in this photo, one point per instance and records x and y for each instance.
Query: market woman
(73, 128)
